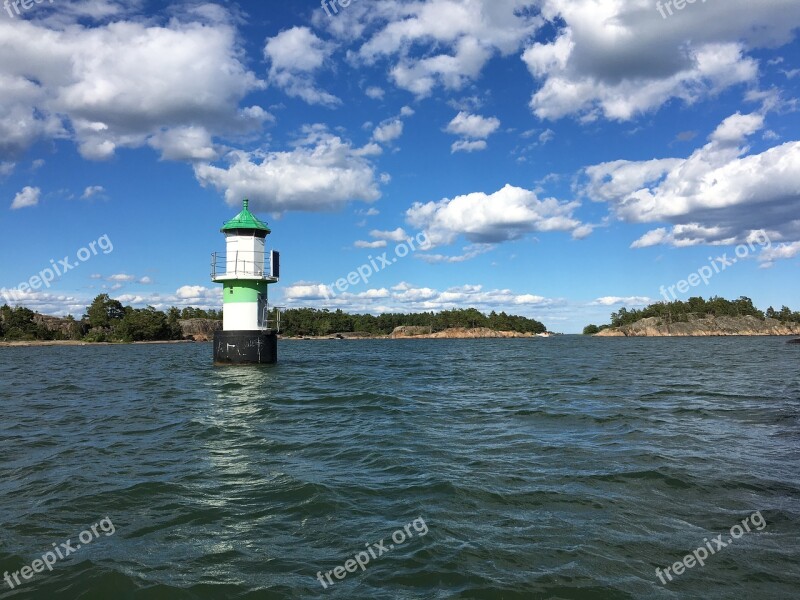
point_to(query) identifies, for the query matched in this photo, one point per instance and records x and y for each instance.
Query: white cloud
(398, 235)
(546, 136)
(45, 303)
(121, 277)
(375, 92)
(473, 126)
(322, 173)
(627, 301)
(295, 55)
(473, 129)
(93, 190)
(768, 256)
(467, 146)
(388, 131)
(405, 297)
(191, 143)
(435, 43)
(145, 280)
(507, 214)
(29, 196)
(620, 59)
(470, 252)
(306, 291)
(719, 195)
(652, 238)
(375, 244)
(119, 84)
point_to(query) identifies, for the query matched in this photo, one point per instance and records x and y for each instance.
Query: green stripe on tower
(243, 291)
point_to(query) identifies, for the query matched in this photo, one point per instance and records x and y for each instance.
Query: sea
(570, 468)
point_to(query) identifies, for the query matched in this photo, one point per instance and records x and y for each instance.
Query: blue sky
(562, 158)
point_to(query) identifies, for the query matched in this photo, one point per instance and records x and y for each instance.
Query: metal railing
(267, 322)
(240, 264)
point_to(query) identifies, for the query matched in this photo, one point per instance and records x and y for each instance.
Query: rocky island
(699, 317)
(703, 326)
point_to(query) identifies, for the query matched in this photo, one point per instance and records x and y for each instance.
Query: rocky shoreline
(424, 333)
(705, 327)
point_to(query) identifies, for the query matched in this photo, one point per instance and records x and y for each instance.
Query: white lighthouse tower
(248, 334)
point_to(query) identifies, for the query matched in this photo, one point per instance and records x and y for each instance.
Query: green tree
(104, 312)
(143, 325)
(591, 330)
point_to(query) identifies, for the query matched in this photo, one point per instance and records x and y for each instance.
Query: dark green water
(567, 468)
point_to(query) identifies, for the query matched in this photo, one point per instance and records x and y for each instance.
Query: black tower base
(245, 347)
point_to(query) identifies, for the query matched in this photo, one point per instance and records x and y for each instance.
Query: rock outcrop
(709, 326)
(65, 327)
(456, 333)
(199, 330)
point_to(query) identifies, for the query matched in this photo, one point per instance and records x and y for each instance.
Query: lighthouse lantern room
(248, 335)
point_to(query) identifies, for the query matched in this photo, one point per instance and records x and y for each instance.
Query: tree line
(107, 320)
(680, 311)
(313, 322)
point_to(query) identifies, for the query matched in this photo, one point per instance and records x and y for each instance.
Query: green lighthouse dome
(245, 221)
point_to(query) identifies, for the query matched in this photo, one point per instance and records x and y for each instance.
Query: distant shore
(706, 327)
(26, 343)
(401, 333)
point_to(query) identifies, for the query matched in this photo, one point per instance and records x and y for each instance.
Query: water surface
(566, 468)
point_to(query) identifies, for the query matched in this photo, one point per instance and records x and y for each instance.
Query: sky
(558, 159)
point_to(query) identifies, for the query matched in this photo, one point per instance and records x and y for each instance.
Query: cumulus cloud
(121, 84)
(620, 58)
(45, 303)
(29, 196)
(436, 43)
(786, 251)
(721, 194)
(295, 56)
(322, 173)
(467, 125)
(473, 129)
(388, 131)
(507, 214)
(405, 297)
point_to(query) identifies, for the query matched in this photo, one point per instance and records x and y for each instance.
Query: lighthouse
(248, 335)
